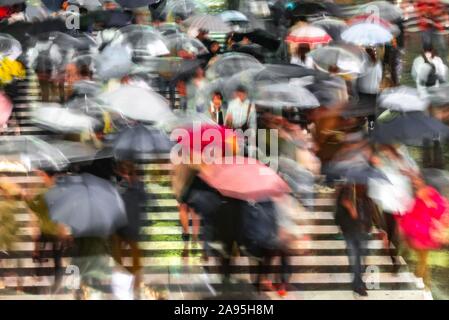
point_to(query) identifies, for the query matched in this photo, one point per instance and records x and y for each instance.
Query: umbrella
(207, 22)
(308, 34)
(437, 178)
(383, 9)
(30, 153)
(53, 5)
(180, 119)
(361, 174)
(329, 91)
(183, 9)
(177, 42)
(439, 95)
(131, 4)
(133, 142)
(10, 2)
(114, 61)
(76, 152)
(36, 12)
(334, 27)
(340, 56)
(252, 49)
(410, 128)
(367, 34)
(9, 47)
(366, 18)
(233, 16)
(244, 179)
(86, 87)
(304, 8)
(260, 37)
(56, 118)
(137, 103)
(144, 41)
(229, 64)
(169, 28)
(285, 95)
(90, 206)
(403, 99)
(90, 5)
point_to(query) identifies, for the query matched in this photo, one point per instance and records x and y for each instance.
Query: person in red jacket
(433, 19)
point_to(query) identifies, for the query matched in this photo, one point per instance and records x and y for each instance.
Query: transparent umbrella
(9, 47)
(229, 64)
(177, 42)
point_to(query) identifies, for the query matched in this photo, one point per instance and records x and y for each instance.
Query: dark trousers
(56, 253)
(265, 266)
(356, 252)
(392, 233)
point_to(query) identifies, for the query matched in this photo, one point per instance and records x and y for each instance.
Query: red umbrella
(244, 179)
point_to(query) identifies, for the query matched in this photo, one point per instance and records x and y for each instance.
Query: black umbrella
(134, 142)
(304, 8)
(252, 49)
(410, 128)
(22, 30)
(131, 4)
(90, 206)
(261, 37)
(11, 2)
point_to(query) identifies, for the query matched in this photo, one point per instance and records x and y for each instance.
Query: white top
(308, 63)
(370, 79)
(239, 112)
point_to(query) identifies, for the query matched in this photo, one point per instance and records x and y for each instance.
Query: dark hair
(303, 50)
(241, 88)
(372, 54)
(217, 93)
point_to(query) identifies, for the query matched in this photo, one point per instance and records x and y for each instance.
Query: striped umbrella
(309, 34)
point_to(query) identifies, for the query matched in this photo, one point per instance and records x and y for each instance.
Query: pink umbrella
(5, 109)
(244, 179)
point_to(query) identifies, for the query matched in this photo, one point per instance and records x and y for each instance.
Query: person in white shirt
(241, 112)
(429, 70)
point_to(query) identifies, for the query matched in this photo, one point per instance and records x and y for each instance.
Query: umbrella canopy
(87, 87)
(137, 103)
(59, 119)
(285, 95)
(144, 41)
(260, 37)
(9, 47)
(183, 9)
(90, 206)
(384, 9)
(410, 128)
(90, 5)
(10, 2)
(131, 4)
(341, 56)
(167, 29)
(231, 63)
(77, 152)
(53, 5)
(211, 23)
(304, 8)
(333, 27)
(29, 153)
(308, 34)
(439, 96)
(233, 16)
(177, 42)
(403, 99)
(134, 142)
(366, 18)
(367, 34)
(244, 179)
(115, 61)
(362, 174)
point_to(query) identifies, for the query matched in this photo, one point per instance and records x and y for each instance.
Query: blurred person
(47, 231)
(354, 214)
(433, 19)
(302, 58)
(418, 226)
(75, 72)
(9, 226)
(195, 99)
(429, 70)
(142, 16)
(369, 85)
(214, 51)
(134, 196)
(241, 112)
(394, 197)
(203, 36)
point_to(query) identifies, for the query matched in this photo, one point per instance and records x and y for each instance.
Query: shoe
(282, 290)
(427, 295)
(361, 291)
(420, 283)
(185, 237)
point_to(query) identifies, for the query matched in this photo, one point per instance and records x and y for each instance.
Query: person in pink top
(419, 226)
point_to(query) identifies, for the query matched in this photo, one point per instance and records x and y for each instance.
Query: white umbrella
(137, 103)
(115, 61)
(233, 16)
(53, 116)
(207, 22)
(403, 99)
(285, 95)
(347, 59)
(9, 47)
(367, 34)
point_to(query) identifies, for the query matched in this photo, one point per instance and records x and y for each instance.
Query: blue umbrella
(53, 5)
(90, 206)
